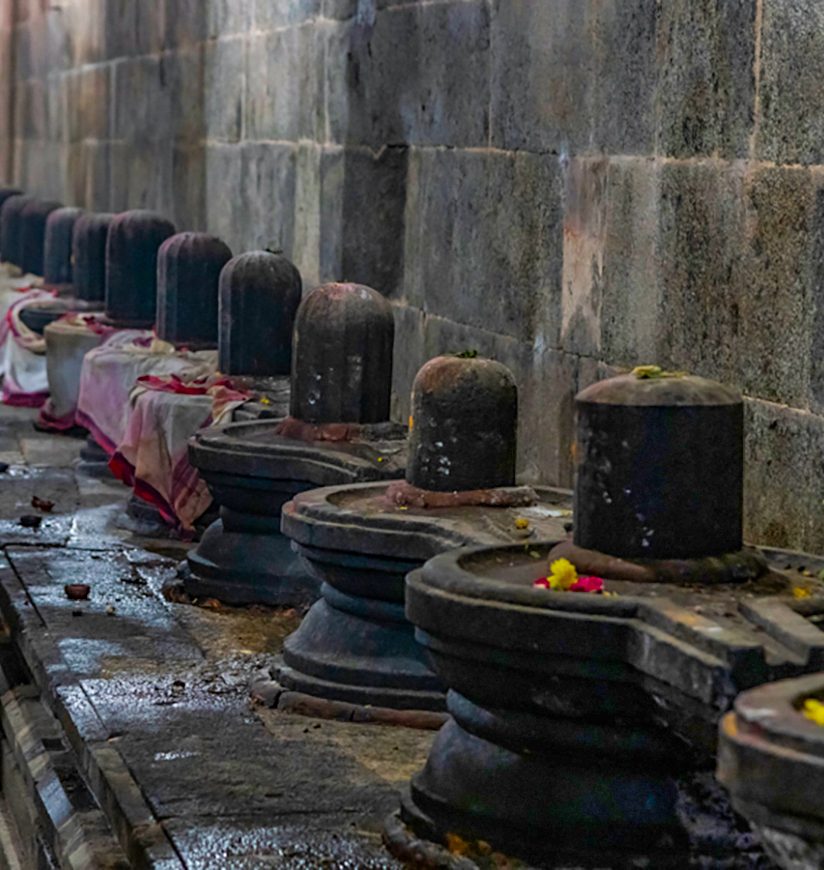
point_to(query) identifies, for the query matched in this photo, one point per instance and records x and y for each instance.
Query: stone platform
(126, 734)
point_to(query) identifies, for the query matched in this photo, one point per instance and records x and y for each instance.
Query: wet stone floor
(128, 736)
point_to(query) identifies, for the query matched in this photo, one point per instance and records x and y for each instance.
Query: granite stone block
(473, 259)
(791, 124)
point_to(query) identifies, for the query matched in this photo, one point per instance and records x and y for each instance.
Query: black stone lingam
(34, 216)
(259, 297)
(659, 483)
(132, 245)
(58, 269)
(11, 229)
(337, 431)
(188, 275)
(355, 645)
(7, 193)
(58, 266)
(583, 729)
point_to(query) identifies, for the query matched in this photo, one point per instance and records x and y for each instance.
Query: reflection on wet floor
(159, 690)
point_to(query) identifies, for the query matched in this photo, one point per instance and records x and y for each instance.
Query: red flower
(541, 583)
(588, 584)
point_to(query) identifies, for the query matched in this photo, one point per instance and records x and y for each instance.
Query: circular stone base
(322, 692)
(147, 519)
(94, 460)
(560, 808)
(738, 567)
(247, 568)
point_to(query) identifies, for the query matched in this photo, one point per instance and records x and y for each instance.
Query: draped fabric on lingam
(168, 409)
(602, 704)
(132, 244)
(22, 361)
(69, 338)
(355, 646)
(338, 431)
(24, 350)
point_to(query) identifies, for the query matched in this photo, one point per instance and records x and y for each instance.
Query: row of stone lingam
(584, 709)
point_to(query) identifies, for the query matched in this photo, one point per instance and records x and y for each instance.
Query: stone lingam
(337, 431)
(69, 338)
(355, 647)
(23, 351)
(34, 217)
(583, 729)
(133, 240)
(11, 229)
(7, 268)
(259, 296)
(186, 280)
(59, 270)
(771, 756)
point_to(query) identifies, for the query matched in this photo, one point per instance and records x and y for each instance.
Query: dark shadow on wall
(372, 191)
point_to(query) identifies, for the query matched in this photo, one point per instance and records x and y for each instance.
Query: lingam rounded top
(259, 296)
(89, 251)
(131, 266)
(188, 274)
(659, 467)
(33, 242)
(7, 193)
(57, 260)
(342, 356)
(11, 228)
(464, 425)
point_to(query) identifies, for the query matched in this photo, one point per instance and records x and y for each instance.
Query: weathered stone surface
(576, 185)
(91, 232)
(58, 258)
(791, 125)
(259, 297)
(390, 82)
(131, 266)
(188, 272)
(283, 100)
(463, 426)
(33, 234)
(342, 367)
(11, 228)
(507, 276)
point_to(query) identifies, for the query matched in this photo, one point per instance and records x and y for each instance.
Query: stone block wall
(570, 186)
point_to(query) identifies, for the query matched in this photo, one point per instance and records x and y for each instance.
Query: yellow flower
(814, 711)
(562, 574)
(801, 592)
(646, 372)
(521, 523)
(265, 400)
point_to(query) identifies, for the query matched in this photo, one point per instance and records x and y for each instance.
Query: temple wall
(567, 185)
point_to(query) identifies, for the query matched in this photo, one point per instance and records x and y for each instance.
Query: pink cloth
(110, 372)
(153, 455)
(25, 382)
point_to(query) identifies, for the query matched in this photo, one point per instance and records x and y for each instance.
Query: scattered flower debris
(30, 521)
(42, 504)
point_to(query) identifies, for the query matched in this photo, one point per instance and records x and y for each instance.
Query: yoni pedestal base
(248, 567)
(611, 795)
